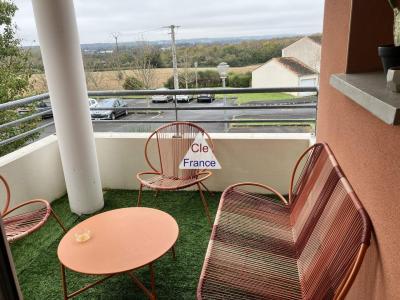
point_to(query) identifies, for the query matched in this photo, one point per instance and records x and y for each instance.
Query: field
(109, 80)
(245, 98)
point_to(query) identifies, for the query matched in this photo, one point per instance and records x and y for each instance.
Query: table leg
(173, 252)
(64, 282)
(153, 281)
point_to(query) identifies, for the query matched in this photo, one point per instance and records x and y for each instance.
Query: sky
(136, 20)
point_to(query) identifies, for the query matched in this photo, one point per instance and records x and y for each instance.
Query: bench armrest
(283, 200)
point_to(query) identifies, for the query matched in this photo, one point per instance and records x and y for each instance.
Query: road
(197, 115)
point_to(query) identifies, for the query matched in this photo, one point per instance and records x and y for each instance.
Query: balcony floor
(39, 272)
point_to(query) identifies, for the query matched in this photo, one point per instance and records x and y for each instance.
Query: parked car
(184, 98)
(39, 107)
(93, 103)
(206, 98)
(116, 107)
(44, 106)
(161, 98)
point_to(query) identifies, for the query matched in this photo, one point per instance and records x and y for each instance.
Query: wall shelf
(369, 90)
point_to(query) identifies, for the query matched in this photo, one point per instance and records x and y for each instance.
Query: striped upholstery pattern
(264, 249)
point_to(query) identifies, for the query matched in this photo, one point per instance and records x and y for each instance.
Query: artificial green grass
(38, 268)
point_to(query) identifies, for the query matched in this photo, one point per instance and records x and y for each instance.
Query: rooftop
(295, 66)
(316, 38)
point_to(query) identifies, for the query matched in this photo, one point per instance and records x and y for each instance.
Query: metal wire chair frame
(198, 177)
(352, 272)
(7, 212)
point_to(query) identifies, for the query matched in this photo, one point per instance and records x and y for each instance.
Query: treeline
(236, 55)
(209, 79)
(206, 55)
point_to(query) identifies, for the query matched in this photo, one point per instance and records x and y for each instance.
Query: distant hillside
(167, 43)
(207, 52)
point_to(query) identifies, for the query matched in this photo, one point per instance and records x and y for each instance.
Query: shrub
(132, 83)
(207, 78)
(210, 78)
(239, 80)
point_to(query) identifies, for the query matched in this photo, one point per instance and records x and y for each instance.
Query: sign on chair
(199, 156)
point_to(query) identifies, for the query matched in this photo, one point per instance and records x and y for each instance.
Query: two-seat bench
(310, 247)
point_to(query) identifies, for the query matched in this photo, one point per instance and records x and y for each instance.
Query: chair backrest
(331, 229)
(7, 195)
(172, 142)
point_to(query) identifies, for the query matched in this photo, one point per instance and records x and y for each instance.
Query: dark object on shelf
(390, 56)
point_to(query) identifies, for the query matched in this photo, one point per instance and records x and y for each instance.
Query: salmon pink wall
(367, 149)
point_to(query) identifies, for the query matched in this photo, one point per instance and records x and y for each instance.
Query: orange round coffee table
(121, 241)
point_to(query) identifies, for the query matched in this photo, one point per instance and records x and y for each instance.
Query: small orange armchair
(171, 143)
(19, 224)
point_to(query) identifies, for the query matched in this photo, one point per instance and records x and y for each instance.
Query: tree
(132, 83)
(15, 72)
(207, 78)
(143, 65)
(186, 75)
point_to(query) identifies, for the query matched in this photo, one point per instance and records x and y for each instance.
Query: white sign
(199, 156)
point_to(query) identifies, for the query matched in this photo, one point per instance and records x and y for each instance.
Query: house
(299, 66)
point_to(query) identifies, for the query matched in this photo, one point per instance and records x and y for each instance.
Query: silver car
(116, 107)
(161, 98)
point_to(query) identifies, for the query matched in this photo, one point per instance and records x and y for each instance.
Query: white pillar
(62, 60)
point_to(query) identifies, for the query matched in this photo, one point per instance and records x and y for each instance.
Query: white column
(62, 59)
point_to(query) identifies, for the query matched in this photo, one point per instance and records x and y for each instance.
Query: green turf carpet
(39, 271)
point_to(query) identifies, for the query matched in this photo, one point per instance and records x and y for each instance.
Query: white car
(92, 103)
(161, 98)
(184, 98)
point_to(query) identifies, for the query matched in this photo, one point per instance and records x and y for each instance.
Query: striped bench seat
(310, 247)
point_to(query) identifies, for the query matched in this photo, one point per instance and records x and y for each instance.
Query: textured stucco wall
(35, 171)
(273, 74)
(261, 157)
(367, 149)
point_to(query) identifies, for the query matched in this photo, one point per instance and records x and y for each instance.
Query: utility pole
(174, 60)
(195, 66)
(115, 35)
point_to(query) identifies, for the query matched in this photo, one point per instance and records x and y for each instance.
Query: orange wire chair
(19, 224)
(172, 141)
(310, 247)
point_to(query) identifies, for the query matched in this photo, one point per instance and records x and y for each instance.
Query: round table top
(120, 240)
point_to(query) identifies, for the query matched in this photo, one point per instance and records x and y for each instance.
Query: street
(199, 115)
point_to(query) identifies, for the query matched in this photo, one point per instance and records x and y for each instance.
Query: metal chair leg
(203, 199)
(204, 186)
(58, 220)
(139, 201)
